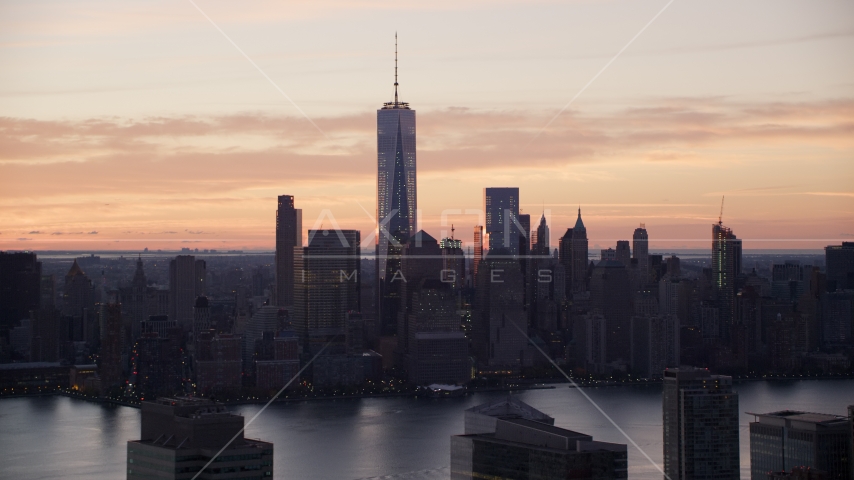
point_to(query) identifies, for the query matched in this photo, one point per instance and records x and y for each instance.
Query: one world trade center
(397, 200)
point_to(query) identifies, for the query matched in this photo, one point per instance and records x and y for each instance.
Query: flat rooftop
(808, 417)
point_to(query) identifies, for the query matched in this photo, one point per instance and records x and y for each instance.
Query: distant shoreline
(545, 384)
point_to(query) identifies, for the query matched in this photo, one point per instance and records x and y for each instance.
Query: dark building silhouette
(186, 283)
(157, 365)
(421, 259)
(217, 364)
(700, 420)
(499, 321)
(573, 257)
(610, 294)
(180, 436)
(327, 286)
(640, 252)
(78, 294)
(624, 253)
(110, 369)
(437, 348)
(276, 372)
(288, 236)
(839, 260)
(20, 277)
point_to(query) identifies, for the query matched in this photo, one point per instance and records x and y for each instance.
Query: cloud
(93, 232)
(23, 239)
(35, 232)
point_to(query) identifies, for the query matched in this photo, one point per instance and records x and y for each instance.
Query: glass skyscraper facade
(397, 199)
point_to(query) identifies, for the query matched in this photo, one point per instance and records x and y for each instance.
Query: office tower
(525, 262)
(589, 333)
(787, 280)
(503, 229)
(45, 345)
(110, 361)
(397, 199)
(700, 419)
(483, 418)
(453, 263)
(421, 259)
(839, 260)
(674, 266)
(726, 265)
(499, 323)
(135, 302)
(522, 448)
(668, 295)
(610, 294)
(525, 234)
(540, 238)
(327, 286)
(20, 277)
(186, 282)
(478, 249)
(565, 254)
(288, 236)
(654, 344)
(157, 365)
(624, 253)
(837, 314)
(396, 173)
(201, 317)
(265, 320)
(78, 293)
(640, 251)
(179, 436)
(608, 254)
(437, 348)
(275, 373)
(780, 441)
(217, 363)
(578, 256)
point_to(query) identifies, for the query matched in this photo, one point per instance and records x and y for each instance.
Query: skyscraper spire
(395, 68)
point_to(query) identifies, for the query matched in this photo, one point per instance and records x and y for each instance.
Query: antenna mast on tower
(721, 216)
(395, 68)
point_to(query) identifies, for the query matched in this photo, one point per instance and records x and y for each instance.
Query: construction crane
(721, 216)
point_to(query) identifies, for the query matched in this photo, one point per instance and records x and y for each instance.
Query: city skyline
(196, 157)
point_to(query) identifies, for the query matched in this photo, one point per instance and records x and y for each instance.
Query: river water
(393, 438)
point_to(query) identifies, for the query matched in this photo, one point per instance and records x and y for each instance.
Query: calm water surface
(399, 438)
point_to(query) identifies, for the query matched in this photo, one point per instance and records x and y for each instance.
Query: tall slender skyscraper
(726, 265)
(478, 249)
(579, 255)
(397, 200)
(288, 236)
(640, 251)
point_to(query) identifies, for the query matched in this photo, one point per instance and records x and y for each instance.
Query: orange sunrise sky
(126, 125)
